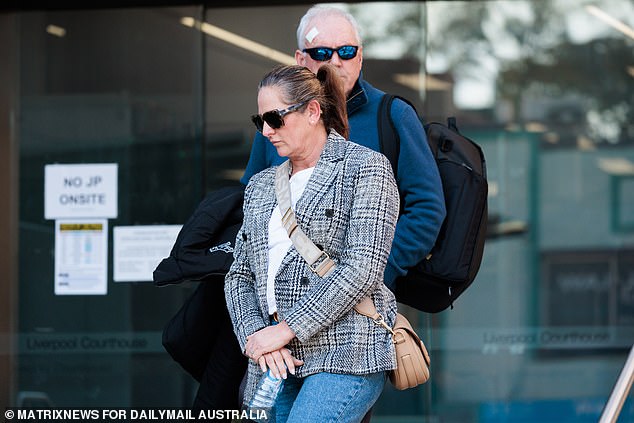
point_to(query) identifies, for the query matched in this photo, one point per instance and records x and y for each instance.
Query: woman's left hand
(268, 339)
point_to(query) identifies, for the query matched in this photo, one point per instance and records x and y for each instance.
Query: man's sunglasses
(323, 54)
(274, 118)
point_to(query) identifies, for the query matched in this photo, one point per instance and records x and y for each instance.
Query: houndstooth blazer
(349, 208)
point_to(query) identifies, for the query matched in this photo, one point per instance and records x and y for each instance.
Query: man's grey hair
(323, 12)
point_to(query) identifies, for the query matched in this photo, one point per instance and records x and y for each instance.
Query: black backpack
(451, 266)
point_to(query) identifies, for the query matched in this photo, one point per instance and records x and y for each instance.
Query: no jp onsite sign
(80, 191)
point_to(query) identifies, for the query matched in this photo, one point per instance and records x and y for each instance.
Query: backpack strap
(389, 140)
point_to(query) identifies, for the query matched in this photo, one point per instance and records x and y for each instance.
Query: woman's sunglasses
(274, 118)
(323, 54)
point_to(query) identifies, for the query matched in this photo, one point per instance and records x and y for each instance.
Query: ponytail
(335, 114)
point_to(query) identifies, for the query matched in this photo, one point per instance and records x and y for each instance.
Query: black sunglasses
(274, 118)
(323, 54)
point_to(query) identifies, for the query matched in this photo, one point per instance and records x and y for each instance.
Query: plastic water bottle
(265, 395)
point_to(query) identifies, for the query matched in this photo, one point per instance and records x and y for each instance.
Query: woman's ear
(314, 111)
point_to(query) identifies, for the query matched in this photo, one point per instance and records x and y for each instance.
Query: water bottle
(265, 395)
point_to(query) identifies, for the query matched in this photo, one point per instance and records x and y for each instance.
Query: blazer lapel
(325, 173)
(266, 202)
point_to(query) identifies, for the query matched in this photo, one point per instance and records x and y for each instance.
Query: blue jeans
(328, 397)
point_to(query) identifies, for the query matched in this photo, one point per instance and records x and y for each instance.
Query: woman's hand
(266, 347)
(269, 339)
(279, 362)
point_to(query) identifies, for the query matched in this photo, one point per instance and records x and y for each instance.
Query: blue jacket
(418, 179)
(349, 207)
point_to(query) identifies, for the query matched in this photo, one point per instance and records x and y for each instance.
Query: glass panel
(545, 87)
(231, 96)
(119, 87)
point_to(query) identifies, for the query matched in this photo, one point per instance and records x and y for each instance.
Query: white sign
(139, 249)
(80, 191)
(81, 257)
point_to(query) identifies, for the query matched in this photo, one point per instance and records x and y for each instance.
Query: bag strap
(317, 259)
(389, 140)
(367, 308)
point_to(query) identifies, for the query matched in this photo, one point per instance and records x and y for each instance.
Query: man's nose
(335, 59)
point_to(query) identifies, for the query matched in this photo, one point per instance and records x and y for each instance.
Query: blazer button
(329, 213)
(303, 280)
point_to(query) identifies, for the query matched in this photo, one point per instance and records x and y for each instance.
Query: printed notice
(81, 257)
(80, 191)
(139, 249)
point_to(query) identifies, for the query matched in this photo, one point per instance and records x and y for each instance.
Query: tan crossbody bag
(411, 355)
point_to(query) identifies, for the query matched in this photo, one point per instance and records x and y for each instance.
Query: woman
(286, 317)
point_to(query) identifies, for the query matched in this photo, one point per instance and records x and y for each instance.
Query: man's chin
(347, 84)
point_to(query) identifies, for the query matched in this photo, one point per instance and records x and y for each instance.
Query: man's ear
(300, 58)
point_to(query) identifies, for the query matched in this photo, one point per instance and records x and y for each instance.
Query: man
(329, 35)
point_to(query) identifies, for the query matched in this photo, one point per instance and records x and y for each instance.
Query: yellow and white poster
(81, 257)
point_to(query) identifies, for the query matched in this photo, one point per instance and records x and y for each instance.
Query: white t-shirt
(279, 242)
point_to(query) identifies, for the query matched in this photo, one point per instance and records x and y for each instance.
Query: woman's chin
(281, 150)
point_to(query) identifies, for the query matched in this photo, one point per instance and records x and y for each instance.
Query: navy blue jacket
(418, 179)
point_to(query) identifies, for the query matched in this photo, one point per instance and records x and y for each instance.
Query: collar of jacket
(357, 98)
(334, 149)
